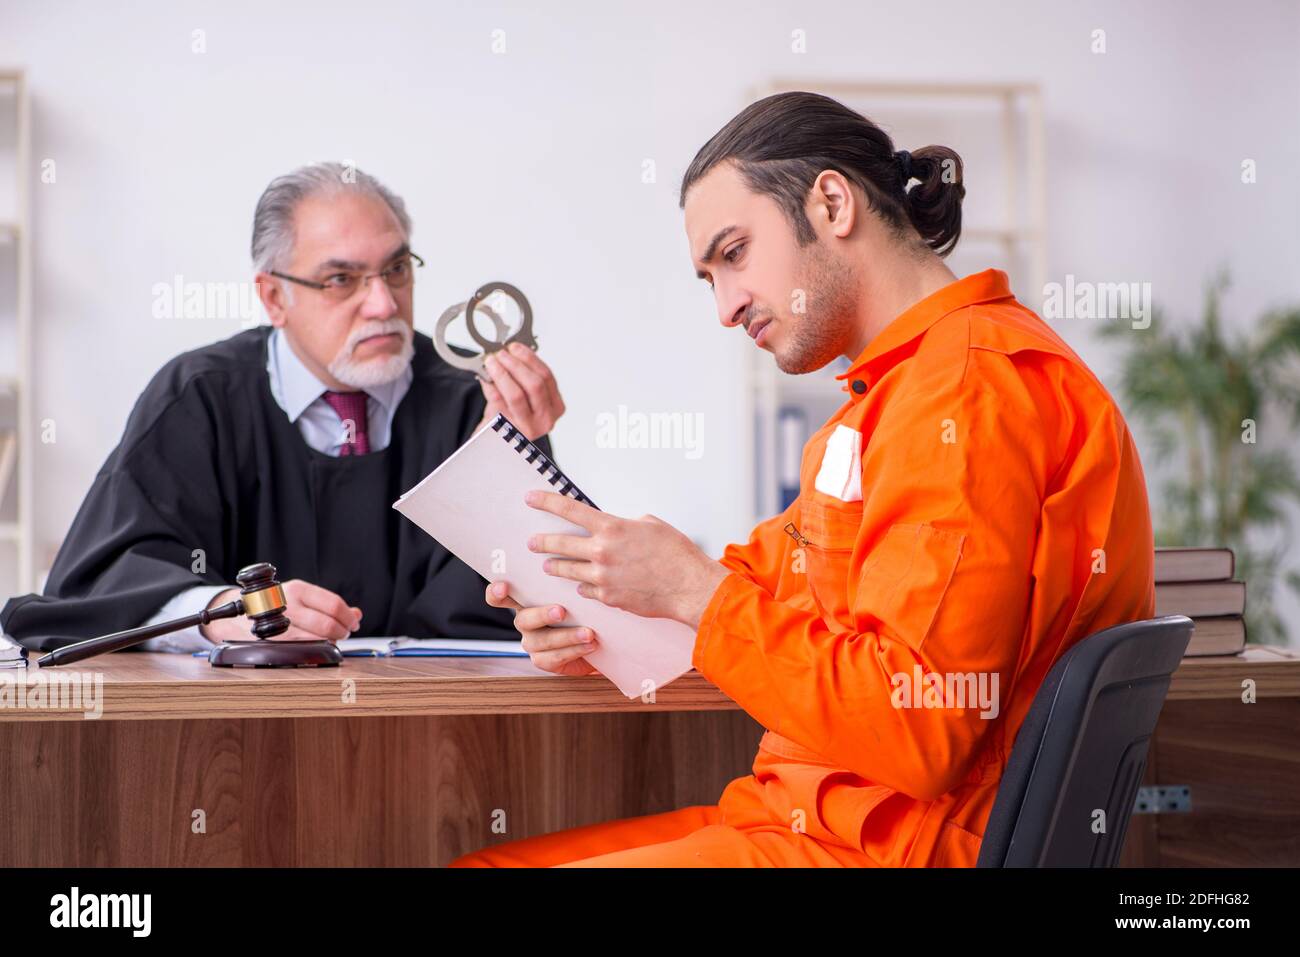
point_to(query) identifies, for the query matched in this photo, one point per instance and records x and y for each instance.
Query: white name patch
(841, 473)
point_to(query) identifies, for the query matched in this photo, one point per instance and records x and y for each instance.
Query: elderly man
(289, 444)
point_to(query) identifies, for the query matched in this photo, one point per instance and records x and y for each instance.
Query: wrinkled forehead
(345, 225)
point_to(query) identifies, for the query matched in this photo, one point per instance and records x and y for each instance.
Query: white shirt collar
(296, 387)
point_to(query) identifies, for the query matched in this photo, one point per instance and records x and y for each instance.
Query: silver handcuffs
(501, 332)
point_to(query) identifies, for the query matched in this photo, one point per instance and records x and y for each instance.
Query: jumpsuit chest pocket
(825, 537)
(904, 580)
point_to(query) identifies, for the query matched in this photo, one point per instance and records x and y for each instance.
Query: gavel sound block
(262, 599)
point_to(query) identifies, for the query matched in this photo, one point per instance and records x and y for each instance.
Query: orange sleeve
(762, 560)
(940, 580)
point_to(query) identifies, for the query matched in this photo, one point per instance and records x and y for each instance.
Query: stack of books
(12, 654)
(1198, 583)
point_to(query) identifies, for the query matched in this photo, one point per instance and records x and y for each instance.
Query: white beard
(368, 373)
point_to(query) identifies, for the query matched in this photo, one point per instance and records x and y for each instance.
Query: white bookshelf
(997, 129)
(16, 496)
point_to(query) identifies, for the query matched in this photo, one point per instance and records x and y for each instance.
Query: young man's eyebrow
(351, 266)
(712, 248)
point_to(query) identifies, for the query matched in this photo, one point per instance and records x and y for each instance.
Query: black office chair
(1083, 746)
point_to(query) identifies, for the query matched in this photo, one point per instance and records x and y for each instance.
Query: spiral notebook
(473, 504)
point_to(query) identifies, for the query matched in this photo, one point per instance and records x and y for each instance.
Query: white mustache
(376, 327)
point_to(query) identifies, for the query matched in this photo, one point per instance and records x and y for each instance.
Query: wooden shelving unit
(16, 495)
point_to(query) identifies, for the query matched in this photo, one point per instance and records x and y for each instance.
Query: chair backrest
(1082, 749)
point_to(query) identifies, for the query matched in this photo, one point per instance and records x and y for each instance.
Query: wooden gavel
(260, 598)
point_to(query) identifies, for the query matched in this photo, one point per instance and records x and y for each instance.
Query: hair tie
(904, 160)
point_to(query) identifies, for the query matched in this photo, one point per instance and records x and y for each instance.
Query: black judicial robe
(210, 467)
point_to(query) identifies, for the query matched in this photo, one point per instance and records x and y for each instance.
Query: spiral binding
(533, 455)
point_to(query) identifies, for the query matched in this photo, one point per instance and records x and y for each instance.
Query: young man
(288, 444)
(974, 509)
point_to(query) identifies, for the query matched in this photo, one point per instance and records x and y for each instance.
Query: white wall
(527, 166)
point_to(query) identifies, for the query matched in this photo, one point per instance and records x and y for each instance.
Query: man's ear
(271, 292)
(833, 206)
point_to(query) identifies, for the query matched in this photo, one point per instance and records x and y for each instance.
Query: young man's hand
(552, 646)
(642, 565)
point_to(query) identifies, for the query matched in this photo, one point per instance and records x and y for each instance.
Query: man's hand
(522, 388)
(552, 647)
(641, 565)
(313, 613)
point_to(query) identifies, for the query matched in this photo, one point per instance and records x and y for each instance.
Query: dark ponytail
(782, 143)
(934, 204)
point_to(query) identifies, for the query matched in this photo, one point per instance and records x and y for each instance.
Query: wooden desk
(406, 761)
(410, 761)
(1241, 761)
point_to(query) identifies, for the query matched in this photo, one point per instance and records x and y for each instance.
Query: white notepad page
(473, 504)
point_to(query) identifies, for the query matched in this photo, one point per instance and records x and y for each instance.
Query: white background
(527, 166)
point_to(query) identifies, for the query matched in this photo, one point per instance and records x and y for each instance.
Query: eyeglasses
(343, 285)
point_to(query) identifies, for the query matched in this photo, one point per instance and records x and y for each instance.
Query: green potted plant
(1208, 400)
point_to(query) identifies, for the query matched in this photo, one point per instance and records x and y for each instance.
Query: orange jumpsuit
(974, 509)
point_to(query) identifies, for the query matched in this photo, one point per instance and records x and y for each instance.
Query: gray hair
(273, 234)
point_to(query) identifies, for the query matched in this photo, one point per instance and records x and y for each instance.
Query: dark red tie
(351, 407)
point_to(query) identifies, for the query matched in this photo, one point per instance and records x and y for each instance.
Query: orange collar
(987, 286)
